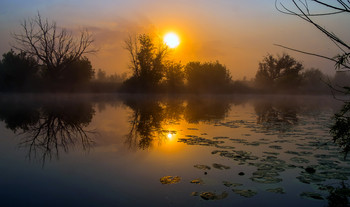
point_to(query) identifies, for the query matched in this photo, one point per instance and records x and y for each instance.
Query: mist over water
(117, 150)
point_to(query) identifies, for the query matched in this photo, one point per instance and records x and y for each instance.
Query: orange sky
(237, 33)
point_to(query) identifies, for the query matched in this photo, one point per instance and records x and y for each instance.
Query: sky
(237, 33)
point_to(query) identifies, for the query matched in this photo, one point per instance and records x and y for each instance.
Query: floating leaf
(170, 179)
(245, 193)
(220, 166)
(213, 196)
(312, 195)
(202, 167)
(276, 190)
(197, 181)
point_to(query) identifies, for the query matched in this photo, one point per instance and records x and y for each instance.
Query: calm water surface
(108, 150)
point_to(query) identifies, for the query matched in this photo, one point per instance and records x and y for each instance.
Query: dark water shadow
(279, 115)
(48, 126)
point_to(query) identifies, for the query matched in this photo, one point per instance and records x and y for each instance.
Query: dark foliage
(75, 77)
(313, 81)
(22, 73)
(340, 128)
(174, 77)
(53, 47)
(208, 77)
(147, 64)
(18, 72)
(282, 72)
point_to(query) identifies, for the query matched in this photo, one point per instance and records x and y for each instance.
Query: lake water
(109, 150)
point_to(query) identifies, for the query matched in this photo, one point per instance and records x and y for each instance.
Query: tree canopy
(18, 72)
(281, 72)
(53, 47)
(207, 77)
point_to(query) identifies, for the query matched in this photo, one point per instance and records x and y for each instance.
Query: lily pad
(310, 178)
(202, 167)
(218, 151)
(197, 181)
(220, 166)
(195, 140)
(245, 193)
(238, 140)
(224, 147)
(312, 195)
(271, 153)
(229, 184)
(253, 143)
(266, 179)
(299, 160)
(216, 138)
(275, 147)
(276, 190)
(170, 179)
(213, 196)
(302, 153)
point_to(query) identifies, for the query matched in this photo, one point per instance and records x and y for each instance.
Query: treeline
(153, 72)
(20, 72)
(52, 60)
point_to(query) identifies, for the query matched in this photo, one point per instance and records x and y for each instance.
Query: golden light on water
(171, 40)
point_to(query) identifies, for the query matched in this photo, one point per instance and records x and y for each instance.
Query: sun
(171, 40)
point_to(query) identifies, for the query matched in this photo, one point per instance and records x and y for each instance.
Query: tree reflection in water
(149, 115)
(280, 116)
(210, 110)
(48, 127)
(147, 120)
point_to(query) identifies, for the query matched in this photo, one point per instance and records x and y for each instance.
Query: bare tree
(304, 10)
(55, 48)
(131, 45)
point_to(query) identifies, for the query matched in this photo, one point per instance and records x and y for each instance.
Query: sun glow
(171, 40)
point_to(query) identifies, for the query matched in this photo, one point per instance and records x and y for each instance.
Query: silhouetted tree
(56, 49)
(174, 76)
(341, 80)
(147, 63)
(107, 83)
(282, 72)
(78, 73)
(207, 77)
(18, 72)
(313, 81)
(101, 75)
